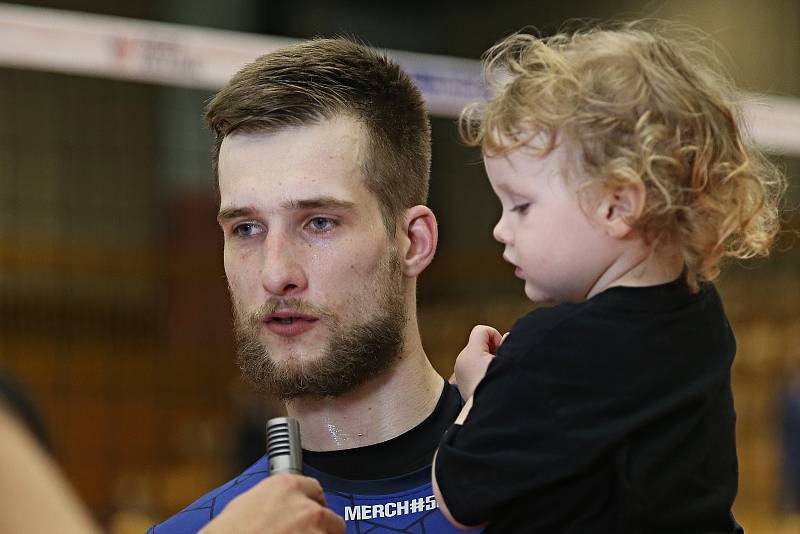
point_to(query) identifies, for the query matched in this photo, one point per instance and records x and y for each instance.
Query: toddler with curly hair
(618, 159)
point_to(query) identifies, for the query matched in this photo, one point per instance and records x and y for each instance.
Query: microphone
(283, 446)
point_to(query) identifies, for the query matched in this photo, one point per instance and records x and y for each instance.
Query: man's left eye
(247, 229)
(322, 224)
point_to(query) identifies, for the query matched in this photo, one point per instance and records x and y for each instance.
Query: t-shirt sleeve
(510, 445)
(521, 439)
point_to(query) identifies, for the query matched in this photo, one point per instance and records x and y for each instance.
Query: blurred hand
(473, 360)
(281, 504)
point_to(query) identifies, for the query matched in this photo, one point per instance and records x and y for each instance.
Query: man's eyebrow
(324, 202)
(226, 214)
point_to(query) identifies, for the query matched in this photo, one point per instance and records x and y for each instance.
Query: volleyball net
(203, 58)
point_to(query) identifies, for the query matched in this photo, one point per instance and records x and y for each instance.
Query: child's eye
(521, 208)
(322, 224)
(247, 229)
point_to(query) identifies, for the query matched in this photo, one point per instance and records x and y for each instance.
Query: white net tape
(187, 56)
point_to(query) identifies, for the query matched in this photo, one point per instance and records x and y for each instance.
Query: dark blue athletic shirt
(381, 488)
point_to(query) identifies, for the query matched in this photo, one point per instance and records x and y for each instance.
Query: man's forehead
(338, 134)
(313, 166)
(325, 151)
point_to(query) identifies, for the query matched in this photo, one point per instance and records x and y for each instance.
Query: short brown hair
(319, 79)
(632, 105)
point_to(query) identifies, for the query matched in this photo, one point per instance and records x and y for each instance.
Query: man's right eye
(247, 229)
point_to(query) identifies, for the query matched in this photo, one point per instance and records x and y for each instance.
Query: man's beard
(354, 355)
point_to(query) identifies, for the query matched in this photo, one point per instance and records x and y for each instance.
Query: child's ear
(620, 208)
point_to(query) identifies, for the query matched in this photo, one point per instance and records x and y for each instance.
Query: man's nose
(282, 272)
(501, 232)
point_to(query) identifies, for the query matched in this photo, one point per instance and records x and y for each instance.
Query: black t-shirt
(398, 456)
(610, 415)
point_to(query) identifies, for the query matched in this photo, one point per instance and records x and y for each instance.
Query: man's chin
(308, 345)
(288, 376)
(294, 358)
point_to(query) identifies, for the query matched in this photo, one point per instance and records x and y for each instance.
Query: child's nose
(500, 232)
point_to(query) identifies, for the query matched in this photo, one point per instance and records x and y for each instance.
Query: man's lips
(287, 323)
(283, 315)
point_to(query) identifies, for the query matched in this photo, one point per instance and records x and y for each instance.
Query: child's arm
(473, 360)
(470, 368)
(437, 492)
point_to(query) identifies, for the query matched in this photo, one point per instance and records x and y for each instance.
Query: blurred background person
(35, 498)
(789, 419)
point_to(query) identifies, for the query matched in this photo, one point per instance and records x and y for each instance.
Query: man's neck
(383, 408)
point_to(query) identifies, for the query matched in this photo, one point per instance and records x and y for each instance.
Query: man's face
(315, 281)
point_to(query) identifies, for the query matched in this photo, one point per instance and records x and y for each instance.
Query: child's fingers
(495, 341)
(483, 335)
(486, 337)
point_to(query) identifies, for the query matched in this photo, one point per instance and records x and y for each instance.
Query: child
(624, 182)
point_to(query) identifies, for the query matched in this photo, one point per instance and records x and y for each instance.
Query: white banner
(188, 56)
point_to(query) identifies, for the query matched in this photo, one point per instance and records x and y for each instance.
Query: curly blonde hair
(632, 105)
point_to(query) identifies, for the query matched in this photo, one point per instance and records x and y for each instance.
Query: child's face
(556, 248)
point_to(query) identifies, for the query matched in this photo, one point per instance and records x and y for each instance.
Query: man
(322, 158)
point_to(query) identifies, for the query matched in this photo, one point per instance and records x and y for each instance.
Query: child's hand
(473, 360)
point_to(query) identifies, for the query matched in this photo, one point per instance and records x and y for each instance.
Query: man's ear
(419, 239)
(620, 208)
